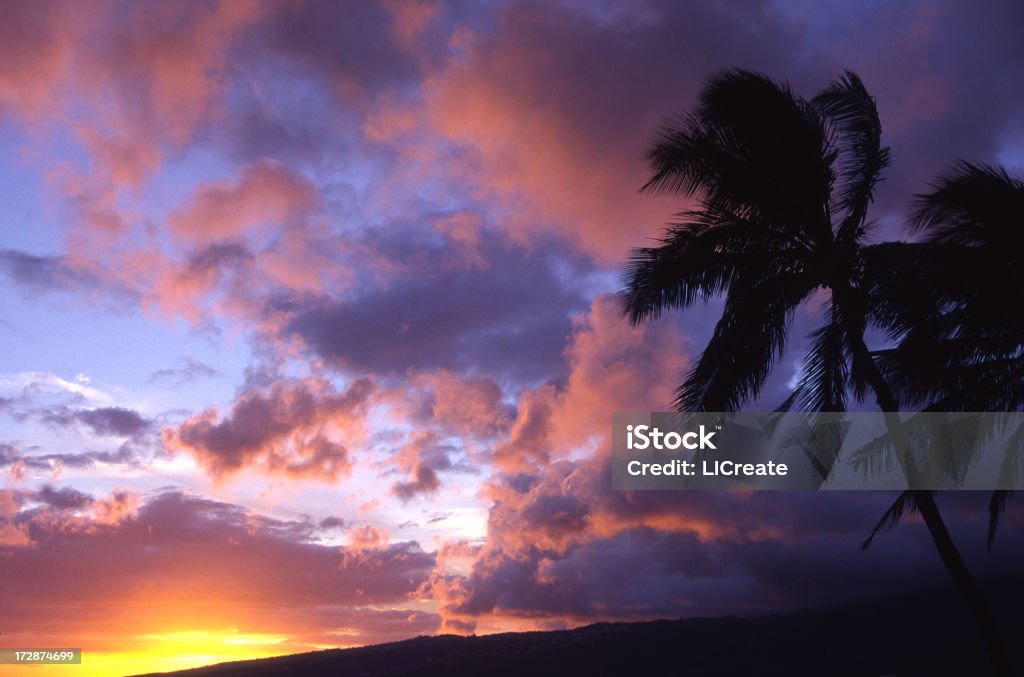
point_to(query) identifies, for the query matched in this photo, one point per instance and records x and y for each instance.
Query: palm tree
(961, 324)
(782, 187)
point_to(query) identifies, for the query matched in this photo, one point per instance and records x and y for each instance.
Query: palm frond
(862, 157)
(750, 147)
(825, 371)
(747, 340)
(996, 506)
(905, 282)
(973, 205)
(695, 260)
(904, 503)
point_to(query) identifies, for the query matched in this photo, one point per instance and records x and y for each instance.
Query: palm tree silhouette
(960, 318)
(961, 324)
(782, 187)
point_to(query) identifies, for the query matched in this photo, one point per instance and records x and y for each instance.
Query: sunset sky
(308, 335)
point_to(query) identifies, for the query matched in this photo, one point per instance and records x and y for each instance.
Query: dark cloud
(350, 45)
(286, 428)
(560, 548)
(332, 523)
(423, 456)
(137, 447)
(113, 421)
(424, 482)
(64, 498)
(8, 454)
(945, 76)
(45, 273)
(127, 455)
(189, 371)
(509, 319)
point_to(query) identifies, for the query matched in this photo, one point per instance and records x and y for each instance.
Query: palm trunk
(965, 583)
(926, 505)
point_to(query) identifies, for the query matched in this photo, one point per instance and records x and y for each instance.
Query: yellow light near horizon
(165, 652)
(231, 637)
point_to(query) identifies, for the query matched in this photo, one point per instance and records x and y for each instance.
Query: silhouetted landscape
(921, 632)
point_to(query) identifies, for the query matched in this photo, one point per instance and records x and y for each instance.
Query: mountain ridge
(923, 632)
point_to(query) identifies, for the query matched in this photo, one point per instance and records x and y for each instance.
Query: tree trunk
(925, 502)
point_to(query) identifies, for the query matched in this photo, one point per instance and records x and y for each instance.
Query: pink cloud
(29, 516)
(426, 453)
(458, 404)
(294, 428)
(613, 367)
(267, 196)
(12, 535)
(410, 18)
(546, 503)
(132, 81)
(39, 40)
(553, 117)
(366, 537)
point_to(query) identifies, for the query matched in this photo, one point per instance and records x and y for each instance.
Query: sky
(308, 326)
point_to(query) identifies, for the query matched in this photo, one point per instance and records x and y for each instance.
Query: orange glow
(163, 652)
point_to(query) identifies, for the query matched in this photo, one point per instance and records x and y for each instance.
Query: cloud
(293, 428)
(553, 121)
(524, 116)
(941, 74)
(38, 386)
(563, 547)
(366, 538)
(310, 72)
(29, 516)
(12, 535)
(189, 371)
(192, 287)
(40, 40)
(38, 274)
(457, 404)
(110, 421)
(348, 46)
(332, 522)
(424, 481)
(152, 78)
(424, 454)
(64, 498)
(266, 195)
(613, 367)
(216, 573)
(508, 321)
(91, 430)
(541, 502)
(125, 457)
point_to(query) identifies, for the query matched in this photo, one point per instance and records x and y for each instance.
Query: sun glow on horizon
(119, 664)
(173, 650)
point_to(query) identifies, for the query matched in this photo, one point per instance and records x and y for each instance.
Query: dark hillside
(916, 633)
